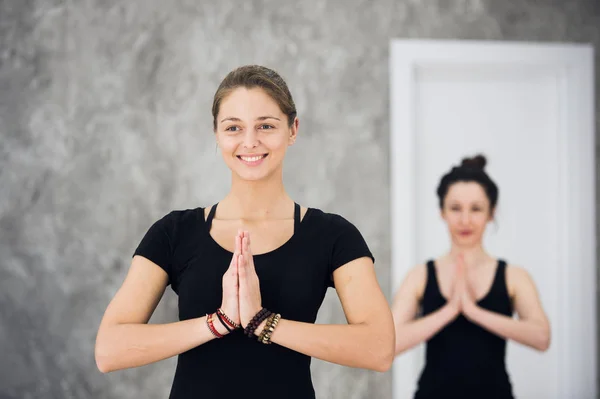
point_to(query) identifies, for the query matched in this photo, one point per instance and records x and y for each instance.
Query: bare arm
(532, 328)
(367, 342)
(411, 331)
(125, 339)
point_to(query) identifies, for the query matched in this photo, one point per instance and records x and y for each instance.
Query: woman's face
(466, 211)
(253, 134)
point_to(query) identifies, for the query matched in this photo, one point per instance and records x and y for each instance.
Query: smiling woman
(255, 125)
(250, 271)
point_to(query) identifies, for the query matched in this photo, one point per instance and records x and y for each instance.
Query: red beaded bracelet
(211, 327)
(227, 320)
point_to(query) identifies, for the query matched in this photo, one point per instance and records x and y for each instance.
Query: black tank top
(464, 360)
(293, 281)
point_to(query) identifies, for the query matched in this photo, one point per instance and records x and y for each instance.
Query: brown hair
(252, 76)
(470, 170)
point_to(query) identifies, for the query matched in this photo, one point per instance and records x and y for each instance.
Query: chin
(252, 176)
(466, 241)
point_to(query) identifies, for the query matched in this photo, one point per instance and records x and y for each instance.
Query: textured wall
(105, 126)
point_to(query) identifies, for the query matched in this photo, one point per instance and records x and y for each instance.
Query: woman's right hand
(230, 304)
(455, 302)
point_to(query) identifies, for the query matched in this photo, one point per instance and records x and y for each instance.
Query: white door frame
(573, 65)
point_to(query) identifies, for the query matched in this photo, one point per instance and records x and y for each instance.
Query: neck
(258, 199)
(473, 255)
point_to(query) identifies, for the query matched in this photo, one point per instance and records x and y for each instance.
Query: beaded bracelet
(255, 322)
(226, 319)
(223, 322)
(265, 336)
(211, 327)
(266, 328)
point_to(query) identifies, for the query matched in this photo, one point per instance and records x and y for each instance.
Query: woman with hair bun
(462, 303)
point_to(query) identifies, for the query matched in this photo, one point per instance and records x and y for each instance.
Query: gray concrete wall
(105, 126)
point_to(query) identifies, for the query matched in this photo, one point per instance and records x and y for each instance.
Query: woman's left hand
(249, 285)
(466, 298)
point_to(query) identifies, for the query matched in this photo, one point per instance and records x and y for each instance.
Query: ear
(293, 131)
(492, 215)
(442, 214)
(216, 139)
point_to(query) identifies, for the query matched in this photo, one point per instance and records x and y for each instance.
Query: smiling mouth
(252, 160)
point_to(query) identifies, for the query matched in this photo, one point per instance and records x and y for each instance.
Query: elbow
(380, 363)
(103, 358)
(544, 342)
(102, 362)
(400, 349)
(384, 357)
(384, 364)
(103, 366)
(540, 340)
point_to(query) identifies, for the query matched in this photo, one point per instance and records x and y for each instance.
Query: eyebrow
(260, 118)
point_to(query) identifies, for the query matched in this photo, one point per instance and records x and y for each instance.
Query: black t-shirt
(293, 282)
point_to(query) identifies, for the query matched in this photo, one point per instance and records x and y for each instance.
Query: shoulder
(178, 219)
(332, 222)
(413, 284)
(335, 229)
(516, 272)
(517, 277)
(418, 272)
(183, 215)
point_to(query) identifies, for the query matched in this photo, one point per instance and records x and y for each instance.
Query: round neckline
(289, 241)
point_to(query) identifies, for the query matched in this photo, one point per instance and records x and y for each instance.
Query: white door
(529, 109)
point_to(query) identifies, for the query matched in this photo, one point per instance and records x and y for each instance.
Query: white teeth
(252, 159)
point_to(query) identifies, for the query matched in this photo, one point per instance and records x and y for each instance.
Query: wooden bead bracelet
(265, 335)
(255, 322)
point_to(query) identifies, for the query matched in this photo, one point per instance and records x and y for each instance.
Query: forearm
(355, 345)
(422, 329)
(123, 346)
(527, 332)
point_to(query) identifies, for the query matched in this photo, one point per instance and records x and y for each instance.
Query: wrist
(212, 324)
(254, 313)
(227, 322)
(218, 325)
(260, 327)
(267, 331)
(254, 325)
(470, 309)
(450, 310)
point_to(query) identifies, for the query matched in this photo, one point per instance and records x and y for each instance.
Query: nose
(464, 218)
(250, 138)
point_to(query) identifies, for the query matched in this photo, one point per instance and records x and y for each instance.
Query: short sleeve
(156, 245)
(348, 245)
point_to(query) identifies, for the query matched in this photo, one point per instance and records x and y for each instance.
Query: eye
(455, 208)
(266, 127)
(232, 129)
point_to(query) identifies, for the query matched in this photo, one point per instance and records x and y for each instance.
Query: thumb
(232, 265)
(234, 259)
(234, 271)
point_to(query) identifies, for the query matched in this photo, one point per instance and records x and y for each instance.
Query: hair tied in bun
(476, 162)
